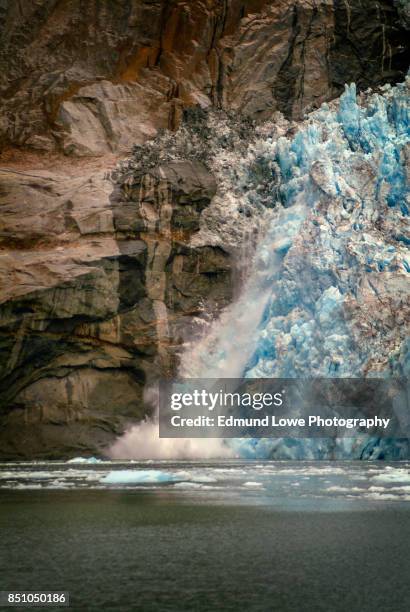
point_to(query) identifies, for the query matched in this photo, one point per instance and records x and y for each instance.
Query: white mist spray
(222, 352)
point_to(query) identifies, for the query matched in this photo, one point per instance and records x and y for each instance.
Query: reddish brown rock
(96, 77)
(96, 290)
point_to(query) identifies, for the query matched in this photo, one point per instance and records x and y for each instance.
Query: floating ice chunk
(26, 474)
(250, 483)
(84, 460)
(393, 475)
(189, 485)
(339, 489)
(388, 497)
(404, 489)
(138, 477)
(57, 484)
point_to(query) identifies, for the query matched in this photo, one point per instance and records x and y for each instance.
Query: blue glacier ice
(348, 167)
(339, 306)
(328, 291)
(117, 477)
(84, 460)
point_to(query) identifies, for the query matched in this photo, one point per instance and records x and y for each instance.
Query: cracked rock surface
(91, 78)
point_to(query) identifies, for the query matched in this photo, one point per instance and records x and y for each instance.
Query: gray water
(209, 536)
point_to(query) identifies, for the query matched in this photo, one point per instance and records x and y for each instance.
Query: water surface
(209, 536)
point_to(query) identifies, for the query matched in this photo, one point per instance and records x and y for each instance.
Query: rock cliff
(91, 77)
(96, 286)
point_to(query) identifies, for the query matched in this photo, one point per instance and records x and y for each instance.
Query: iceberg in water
(393, 475)
(138, 477)
(84, 460)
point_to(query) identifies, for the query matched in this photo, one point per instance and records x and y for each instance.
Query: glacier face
(331, 271)
(317, 214)
(339, 306)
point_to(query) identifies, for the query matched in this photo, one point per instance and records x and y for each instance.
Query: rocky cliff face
(97, 288)
(102, 272)
(90, 77)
